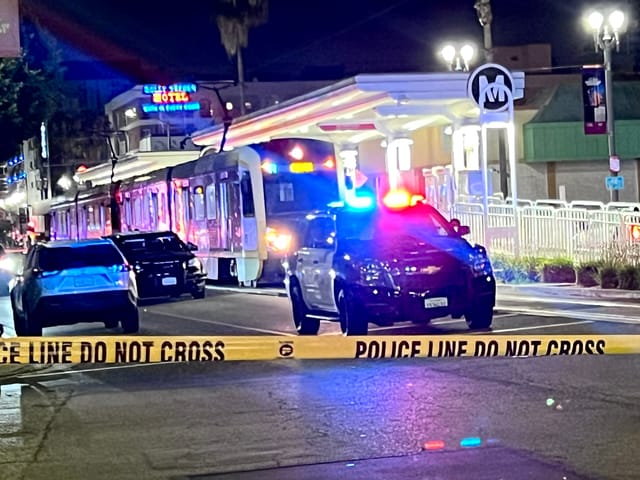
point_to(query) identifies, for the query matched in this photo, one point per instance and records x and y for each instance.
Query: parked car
(385, 265)
(163, 264)
(66, 282)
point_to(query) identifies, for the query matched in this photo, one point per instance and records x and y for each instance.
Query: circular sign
(286, 350)
(494, 80)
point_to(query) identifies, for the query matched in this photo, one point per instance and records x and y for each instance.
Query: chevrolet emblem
(430, 270)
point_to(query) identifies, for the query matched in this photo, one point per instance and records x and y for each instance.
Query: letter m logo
(494, 94)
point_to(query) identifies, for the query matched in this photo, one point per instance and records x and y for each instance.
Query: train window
(286, 192)
(186, 205)
(248, 206)
(155, 214)
(198, 203)
(137, 212)
(212, 208)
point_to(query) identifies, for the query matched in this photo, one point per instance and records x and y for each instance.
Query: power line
(371, 17)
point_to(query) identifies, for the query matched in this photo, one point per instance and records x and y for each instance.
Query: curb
(568, 290)
(270, 292)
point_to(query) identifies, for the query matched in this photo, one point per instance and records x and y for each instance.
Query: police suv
(401, 261)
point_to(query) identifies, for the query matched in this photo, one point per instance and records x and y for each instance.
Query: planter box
(587, 276)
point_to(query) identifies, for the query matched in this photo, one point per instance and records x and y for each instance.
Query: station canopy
(358, 109)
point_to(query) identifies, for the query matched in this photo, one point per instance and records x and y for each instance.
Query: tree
(235, 18)
(30, 90)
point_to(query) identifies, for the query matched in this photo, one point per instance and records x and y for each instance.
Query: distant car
(387, 264)
(163, 264)
(64, 283)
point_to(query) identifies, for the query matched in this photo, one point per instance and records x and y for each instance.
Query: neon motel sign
(170, 98)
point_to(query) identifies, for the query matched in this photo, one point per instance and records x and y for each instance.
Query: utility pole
(485, 17)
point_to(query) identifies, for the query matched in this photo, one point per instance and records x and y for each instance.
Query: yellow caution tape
(138, 349)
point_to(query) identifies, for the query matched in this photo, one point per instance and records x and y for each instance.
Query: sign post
(491, 87)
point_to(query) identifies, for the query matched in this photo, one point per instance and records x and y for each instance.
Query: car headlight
(195, 263)
(480, 263)
(374, 274)
(7, 264)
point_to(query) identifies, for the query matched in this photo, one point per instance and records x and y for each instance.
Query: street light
(458, 59)
(606, 36)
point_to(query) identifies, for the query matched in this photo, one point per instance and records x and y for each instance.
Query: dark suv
(164, 265)
(383, 265)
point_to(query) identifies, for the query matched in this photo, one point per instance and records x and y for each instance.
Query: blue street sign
(615, 183)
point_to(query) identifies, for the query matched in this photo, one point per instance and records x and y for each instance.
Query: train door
(230, 221)
(153, 210)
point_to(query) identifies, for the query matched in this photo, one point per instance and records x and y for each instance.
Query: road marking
(593, 316)
(587, 301)
(224, 324)
(89, 370)
(536, 327)
(273, 292)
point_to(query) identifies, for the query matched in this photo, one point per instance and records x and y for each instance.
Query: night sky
(302, 39)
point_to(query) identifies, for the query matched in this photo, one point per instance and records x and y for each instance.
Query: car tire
(199, 294)
(480, 317)
(27, 325)
(130, 320)
(352, 319)
(305, 325)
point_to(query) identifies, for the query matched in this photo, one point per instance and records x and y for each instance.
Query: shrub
(587, 275)
(608, 276)
(558, 270)
(629, 277)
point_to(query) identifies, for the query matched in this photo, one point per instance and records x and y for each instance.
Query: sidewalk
(568, 290)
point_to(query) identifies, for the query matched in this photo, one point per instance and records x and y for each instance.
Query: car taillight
(277, 240)
(634, 230)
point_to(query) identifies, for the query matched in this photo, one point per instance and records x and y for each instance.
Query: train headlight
(278, 241)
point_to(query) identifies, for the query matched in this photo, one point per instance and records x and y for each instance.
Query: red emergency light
(401, 198)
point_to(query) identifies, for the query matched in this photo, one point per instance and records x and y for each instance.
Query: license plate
(169, 281)
(82, 282)
(436, 302)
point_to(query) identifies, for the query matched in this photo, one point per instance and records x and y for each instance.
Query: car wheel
(352, 319)
(305, 325)
(130, 320)
(199, 293)
(480, 317)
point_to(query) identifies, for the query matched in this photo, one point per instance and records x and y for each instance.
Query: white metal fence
(581, 231)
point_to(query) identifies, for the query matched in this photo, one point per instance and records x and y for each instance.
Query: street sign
(615, 183)
(492, 79)
(614, 164)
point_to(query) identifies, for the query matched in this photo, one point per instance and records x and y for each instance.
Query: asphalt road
(520, 418)
(233, 312)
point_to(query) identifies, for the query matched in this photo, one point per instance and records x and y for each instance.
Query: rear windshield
(150, 245)
(61, 258)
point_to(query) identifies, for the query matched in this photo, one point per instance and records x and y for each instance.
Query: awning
(358, 109)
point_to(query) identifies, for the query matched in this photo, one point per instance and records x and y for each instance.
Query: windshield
(61, 258)
(418, 223)
(150, 244)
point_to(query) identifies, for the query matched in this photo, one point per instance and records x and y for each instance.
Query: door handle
(315, 262)
(300, 260)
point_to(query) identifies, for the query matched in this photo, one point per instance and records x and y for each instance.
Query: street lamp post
(606, 36)
(458, 59)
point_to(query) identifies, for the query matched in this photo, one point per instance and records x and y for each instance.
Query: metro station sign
(170, 98)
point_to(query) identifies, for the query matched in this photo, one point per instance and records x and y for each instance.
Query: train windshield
(300, 192)
(299, 174)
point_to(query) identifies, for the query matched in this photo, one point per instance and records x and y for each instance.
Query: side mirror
(463, 230)
(192, 247)
(460, 229)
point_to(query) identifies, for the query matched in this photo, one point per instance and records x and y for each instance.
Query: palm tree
(234, 19)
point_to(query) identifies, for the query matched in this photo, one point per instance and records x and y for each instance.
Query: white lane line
(89, 370)
(536, 327)
(587, 301)
(223, 324)
(593, 316)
